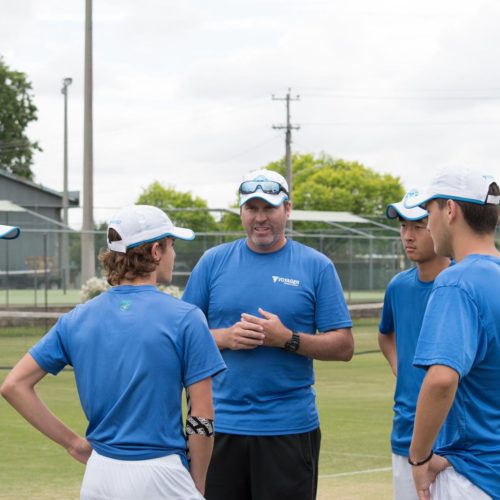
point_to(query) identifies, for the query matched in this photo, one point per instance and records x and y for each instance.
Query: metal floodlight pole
(64, 247)
(88, 251)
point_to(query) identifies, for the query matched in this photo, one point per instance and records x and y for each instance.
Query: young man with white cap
(266, 298)
(9, 232)
(133, 350)
(459, 344)
(405, 300)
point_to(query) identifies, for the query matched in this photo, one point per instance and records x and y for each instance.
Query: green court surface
(354, 400)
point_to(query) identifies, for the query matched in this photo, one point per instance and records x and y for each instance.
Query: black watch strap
(293, 344)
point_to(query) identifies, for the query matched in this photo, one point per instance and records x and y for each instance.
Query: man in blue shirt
(133, 350)
(404, 305)
(459, 344)
(266, 298)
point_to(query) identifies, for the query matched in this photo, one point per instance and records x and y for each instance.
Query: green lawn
(36, 298)
(354, 400)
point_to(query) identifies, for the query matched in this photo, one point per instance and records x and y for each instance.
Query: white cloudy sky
(182, 90)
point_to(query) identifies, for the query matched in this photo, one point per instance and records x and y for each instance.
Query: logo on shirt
(286, 281)
(125, 305)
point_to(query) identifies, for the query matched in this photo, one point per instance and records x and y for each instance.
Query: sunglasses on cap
(268, 187)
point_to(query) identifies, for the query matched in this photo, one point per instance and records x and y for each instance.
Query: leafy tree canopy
(326, 183)
(17, 111)
(169, 199)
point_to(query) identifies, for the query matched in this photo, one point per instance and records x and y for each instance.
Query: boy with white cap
(459, 343)
(265, 298)
(133, 350)
(405, 300)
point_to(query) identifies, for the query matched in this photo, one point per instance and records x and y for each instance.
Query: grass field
(354, 400)
(36, 298)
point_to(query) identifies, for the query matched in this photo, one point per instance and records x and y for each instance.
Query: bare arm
(334, 345)
(200, 447)
(19, 390)
(387, 344)
(434, 402)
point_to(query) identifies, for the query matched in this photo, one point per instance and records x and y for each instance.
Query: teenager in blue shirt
(133, 350)
(459, 344)
(404, 306)
(266, 298)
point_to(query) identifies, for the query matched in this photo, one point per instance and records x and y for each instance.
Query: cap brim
(182, 233)
(273, 199)
(396, 210)
(9, 232)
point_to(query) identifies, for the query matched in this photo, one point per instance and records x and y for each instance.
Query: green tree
(198, 218)
(332, 184)
(17, 111)
(325, 183)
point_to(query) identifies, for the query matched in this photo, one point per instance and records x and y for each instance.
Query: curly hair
(137, 262)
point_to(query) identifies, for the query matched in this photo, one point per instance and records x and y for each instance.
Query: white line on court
(384, 457)
(356, 472)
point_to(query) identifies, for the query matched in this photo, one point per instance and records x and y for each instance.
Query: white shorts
(402, 479)
(159, 478)
(450, 485)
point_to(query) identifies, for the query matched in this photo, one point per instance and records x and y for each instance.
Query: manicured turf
(36, 298)
(354, 400)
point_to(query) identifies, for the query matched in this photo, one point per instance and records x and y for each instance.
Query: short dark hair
(137, 262)
(482, 219)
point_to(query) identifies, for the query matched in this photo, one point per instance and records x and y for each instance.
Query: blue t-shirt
(461, 330)
(267, 391)
(404, 306)
(133, 349)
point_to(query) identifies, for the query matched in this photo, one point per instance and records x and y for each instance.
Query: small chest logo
(286, 281)
(125, 305)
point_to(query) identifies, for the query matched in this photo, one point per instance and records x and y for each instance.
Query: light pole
(88, 250)
(65, 251)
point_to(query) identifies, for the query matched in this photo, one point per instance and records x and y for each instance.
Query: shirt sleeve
(197, 287)
(201, 356)
(386, 324)
(331, 308)
(450, 331)
(50, 352)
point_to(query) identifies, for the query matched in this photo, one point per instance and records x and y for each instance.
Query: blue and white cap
(138, 224)
(455, 183)
(9, 232)
(266, 175)
(395, 210)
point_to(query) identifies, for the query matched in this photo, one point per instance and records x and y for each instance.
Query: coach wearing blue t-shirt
(266, 298)
(459, 344)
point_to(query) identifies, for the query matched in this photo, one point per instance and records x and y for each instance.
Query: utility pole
(288, 143)
(65, 250)
(88, 250)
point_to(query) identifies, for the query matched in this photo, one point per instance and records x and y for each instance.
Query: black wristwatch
(293, 344)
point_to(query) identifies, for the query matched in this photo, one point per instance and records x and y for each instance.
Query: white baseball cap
(138, 224)
(9, 232)
(455, 183)
(254, 186)
(395, 210)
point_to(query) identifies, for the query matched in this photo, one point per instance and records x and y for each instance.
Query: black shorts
(264, 467)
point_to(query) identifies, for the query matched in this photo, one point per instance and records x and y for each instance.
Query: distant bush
(95, 286)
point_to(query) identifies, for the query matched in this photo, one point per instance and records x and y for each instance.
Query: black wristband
(422, 462)
(293, 344)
